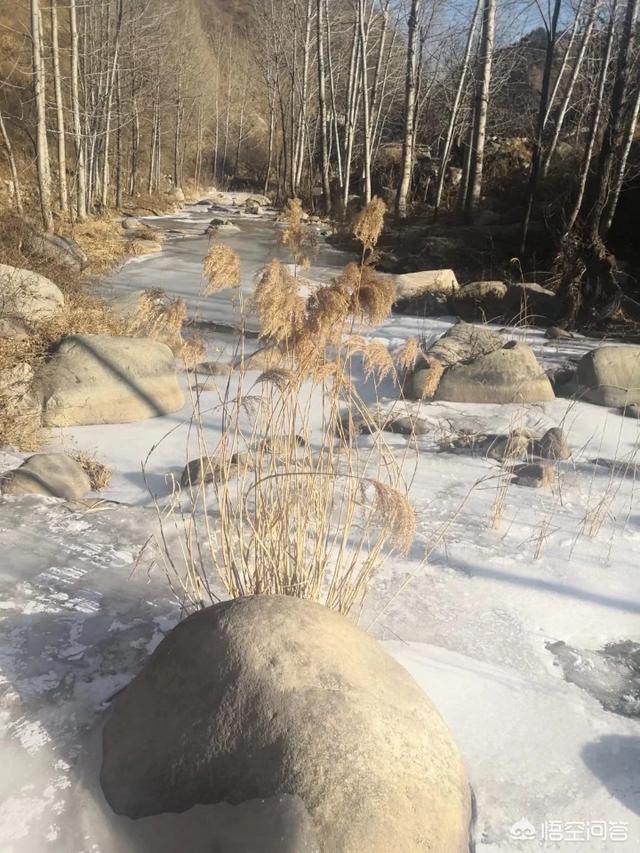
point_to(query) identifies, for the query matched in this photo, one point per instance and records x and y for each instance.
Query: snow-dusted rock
(508, 375)
(144, 246)
(28, 295)
(52, 474)
(273, 695)
(208, 469)
(461, 343)
(213, 368)
(57, 248)
(552, 445)
(610, 376)
(131, 223)
(481, 290)
(252, 205)
(97, 379)
(535, 475)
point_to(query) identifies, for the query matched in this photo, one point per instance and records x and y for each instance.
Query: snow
(469, 612)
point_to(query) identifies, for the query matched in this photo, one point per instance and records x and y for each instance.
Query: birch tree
(481, 109)
(409, 115)
(42, 147)
(11, 160)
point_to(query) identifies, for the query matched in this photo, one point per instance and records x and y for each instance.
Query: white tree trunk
(42, 147)
(17, 193)
(322, 102)
(409, 108)
(485, 61)
(62, 153)
(81, 178)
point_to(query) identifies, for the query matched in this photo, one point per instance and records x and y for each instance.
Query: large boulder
(271, 695)
(610, 376)
(412, 284)
(508, 375)
(55, 247)
(97, 379)
(28, 295)
(52, 474)
(462, 342)
(252, 205)
(530, 302)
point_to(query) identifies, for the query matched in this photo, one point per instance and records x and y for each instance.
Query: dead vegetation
(84, 312)
(98, 473)
(281, 514)
(221, 269)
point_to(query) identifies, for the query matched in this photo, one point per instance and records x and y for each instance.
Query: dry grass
(161, 318)
(221, 269)
(283, 514)
(98, 473)
(192, 352)
(369, 223)
(84, 313)
(281, 310)
(101, 241)
(299, 237)
(20, 426)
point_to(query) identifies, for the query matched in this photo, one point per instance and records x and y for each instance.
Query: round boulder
(98, 379)
(272, 695)
(610, 376)
(52, 474)
(57, 248)
(28, 295)
(508, 375)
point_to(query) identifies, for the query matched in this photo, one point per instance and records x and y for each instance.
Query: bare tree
(8, 148)
(481, 109)
(322, 103)
(42, 147)
(409, 117)
(551, 28)
(81, 179)
(57, 82)
(455, 107)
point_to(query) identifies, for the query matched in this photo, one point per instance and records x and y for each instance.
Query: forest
(511, 122)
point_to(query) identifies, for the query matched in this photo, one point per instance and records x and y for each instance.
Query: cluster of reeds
(286, 502)
(300, 239)
(306, 327)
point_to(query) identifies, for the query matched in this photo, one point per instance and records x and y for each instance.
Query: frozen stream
(551, 767)
(178, 269)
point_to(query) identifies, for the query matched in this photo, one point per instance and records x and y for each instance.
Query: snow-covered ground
(551, 768)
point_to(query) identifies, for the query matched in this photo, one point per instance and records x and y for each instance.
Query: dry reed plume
(299, 237)
(159, 317)
(221, 269)
(370, 222)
